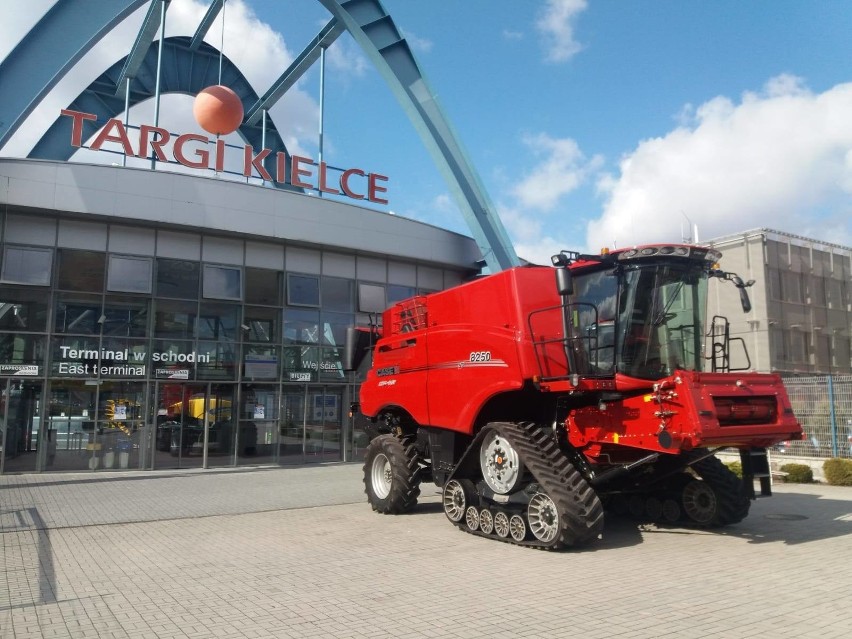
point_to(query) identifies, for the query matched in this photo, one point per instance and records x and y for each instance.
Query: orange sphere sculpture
(218, 110)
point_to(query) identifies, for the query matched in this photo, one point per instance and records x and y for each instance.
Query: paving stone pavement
(296, 552)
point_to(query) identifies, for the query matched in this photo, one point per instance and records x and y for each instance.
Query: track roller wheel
(543, 516)
(456, 499)
(517, 528)
(471, 517)
(671, 511)
(654, 508)
(486, 521)
(501, 524)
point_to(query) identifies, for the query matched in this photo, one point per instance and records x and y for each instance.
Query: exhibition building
(155, 319)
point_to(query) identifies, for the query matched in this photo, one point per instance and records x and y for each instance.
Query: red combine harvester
(537, 397)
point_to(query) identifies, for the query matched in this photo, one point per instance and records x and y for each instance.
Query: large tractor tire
(717, 499)
(392, 474)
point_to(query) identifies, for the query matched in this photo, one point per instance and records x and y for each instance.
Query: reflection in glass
(263, 286)
(222, 282)
(23, 309)
(17, 348)
(27, 265)
(301, 326)
(177, 278)
(174, 319)
(216, 360)
(334, 327)
(260, 324)
(129, 274)
(303, 290)
(81, 270)
(397, 293)
(77, 314)
(301, 363)
(338, 294)
(218, 321)
(125, 316)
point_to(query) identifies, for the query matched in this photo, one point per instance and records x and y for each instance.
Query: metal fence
(823, 405)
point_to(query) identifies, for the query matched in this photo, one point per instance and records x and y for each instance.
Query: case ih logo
(191, 150)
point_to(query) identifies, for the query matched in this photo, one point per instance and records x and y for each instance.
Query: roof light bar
(691, 252)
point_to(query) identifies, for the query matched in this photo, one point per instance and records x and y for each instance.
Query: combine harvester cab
(537, 397)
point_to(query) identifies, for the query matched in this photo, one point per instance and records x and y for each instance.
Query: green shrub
(736, 468)
(797, 474)
(838, 472)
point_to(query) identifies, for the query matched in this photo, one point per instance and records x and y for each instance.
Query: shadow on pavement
(788, 518)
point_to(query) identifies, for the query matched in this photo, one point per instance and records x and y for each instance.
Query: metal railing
(823, 405)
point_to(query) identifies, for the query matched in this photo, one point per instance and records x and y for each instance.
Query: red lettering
(281, 167)
(145, 137)
(77, 118)
(106, 135)
(322, 180)
(220, 155)
(256, 162)
(202, 154)
(344, 182)
(296, 172)
(373, 188)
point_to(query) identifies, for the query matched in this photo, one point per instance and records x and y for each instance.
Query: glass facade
(110, 360)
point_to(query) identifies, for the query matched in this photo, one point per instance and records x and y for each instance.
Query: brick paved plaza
(297, 552)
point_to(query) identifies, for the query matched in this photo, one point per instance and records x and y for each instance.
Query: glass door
(257, 441)
(324, 424)
(220, 424)
(312, 425)
(71, 424)
(121, 425)
(195, 425)
(291, 448)
(22, 430)
(179, 425)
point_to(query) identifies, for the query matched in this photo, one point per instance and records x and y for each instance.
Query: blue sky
(591, 123)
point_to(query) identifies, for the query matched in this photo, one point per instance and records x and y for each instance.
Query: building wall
(801, 318)
(155, 320)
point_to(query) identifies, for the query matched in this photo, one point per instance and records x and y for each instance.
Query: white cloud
(556, 24)
(346, 56)
(418, 44)
(780, 158)
(561, 169)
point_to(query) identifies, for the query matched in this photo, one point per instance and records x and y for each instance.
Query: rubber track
(733, 502)
(580, 511)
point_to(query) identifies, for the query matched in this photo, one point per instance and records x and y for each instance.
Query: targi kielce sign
(191, 150)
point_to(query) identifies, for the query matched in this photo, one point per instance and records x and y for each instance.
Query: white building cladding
(152, 319)
(801, 317)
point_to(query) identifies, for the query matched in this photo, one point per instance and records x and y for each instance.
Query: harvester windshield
(643, 320)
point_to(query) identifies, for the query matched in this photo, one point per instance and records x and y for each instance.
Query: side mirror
(744, 300)
(564, 281)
